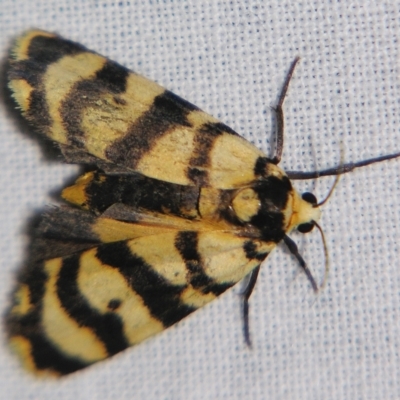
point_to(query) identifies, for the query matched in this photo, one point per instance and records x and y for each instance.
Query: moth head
(305, 212)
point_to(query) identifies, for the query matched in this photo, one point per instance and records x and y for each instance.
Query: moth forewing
(81, 99)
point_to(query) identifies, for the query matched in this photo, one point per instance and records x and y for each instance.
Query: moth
(176, 209)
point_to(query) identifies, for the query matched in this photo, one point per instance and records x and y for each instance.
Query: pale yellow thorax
(301, 212)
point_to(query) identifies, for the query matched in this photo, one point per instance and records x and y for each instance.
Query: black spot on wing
(186, 243)
(160, 297)
(114, 304)
(111, 78)
(203, 144)
(167, 112)
(108, 327)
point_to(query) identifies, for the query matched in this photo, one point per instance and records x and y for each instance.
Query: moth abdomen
(97, 191)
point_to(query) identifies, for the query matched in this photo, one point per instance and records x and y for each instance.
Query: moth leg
(342, 169)
(279, 114)
(245, 295)
(292, 246)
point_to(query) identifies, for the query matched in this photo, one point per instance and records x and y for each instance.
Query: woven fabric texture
(230, 58)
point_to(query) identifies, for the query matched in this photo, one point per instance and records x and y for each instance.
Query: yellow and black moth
(177, 208)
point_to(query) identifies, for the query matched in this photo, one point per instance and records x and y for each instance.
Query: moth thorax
(303, 212)
(246, 204)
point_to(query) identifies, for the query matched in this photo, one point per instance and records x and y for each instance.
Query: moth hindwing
(177, 209)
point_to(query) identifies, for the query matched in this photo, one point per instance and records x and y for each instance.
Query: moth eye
(307, 227)
(309, 198)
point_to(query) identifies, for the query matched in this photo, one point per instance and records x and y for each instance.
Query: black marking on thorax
(268, 223)
(273, 193)
(260, 167)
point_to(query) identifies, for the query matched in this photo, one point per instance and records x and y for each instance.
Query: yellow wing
(100, 112)
(75, 310)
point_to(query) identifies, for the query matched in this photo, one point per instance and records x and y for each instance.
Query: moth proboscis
(177, 209)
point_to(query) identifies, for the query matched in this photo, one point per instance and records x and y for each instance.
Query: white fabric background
(230, 58)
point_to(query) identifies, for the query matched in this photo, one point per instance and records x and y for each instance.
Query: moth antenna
(279, 114)
(340, 170)
(287, 81)
(326, 254)
(337, 178)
